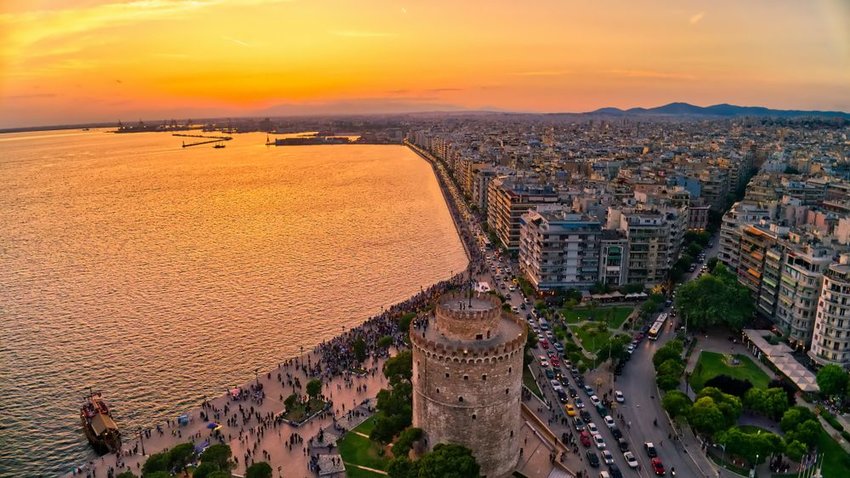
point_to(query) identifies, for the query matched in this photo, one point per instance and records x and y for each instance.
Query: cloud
(541, 73)
(29, 97)
(237, 41)
(660, 75)
(362, 34)
(696, 18)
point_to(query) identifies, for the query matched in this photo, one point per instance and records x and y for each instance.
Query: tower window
(484, 377)
(479, 336)
(460, 399)
(474, 416)
(447, 374)
(466, 377)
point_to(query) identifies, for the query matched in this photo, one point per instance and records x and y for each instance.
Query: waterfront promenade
(248, 418)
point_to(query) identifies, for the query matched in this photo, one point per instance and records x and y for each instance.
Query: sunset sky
(105, 60)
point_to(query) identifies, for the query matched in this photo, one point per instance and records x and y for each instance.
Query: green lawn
(836, 461)
(613, 316)
(711, 364)
(528, 381)
(592, 339)
(302, 410)
(360, 450)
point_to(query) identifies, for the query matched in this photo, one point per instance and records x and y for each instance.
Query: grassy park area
(302, 410)
(357, 449)
(712, 364)
(528, 381)
(613, 316)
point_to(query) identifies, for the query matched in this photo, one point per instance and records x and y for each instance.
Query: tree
(259, 469)
(676, 403)
(618, 347)
(531, 340)
(402, 467)
(795, 450)
(155, 462)
(776, 403)
(219, 474)
(218, 455)
(157, 474)
(405, 441)
(384, 342)
(204, 470)
(794, 416)
(832, 380)
(806, 432)
(712, 264)
(399, 368)
(359, 349)
(448, 461)
(180, 456)
(671, 350)
(405, 320)
(790, 389)
(715, 299)
(314, 388)
(673, 367)
(706, 417)
(290, 401)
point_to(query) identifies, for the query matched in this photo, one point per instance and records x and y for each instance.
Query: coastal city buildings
(831, 340)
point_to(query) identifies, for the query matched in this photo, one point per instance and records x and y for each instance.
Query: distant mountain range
(721, 110)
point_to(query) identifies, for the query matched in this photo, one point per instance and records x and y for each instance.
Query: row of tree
(395, 405)
(215, 462)
(668, 364)
(446, 460)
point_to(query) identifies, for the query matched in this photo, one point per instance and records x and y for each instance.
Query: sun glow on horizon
(102, 60)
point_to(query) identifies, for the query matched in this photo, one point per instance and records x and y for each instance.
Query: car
(615, 471)
(555, 362)
(556, 385)
(562, 396)
(588, 390)
(544, 363)
(617, 433)
(630, 459)
(543, 342)
(592, 459)
(618, 395)
(579, 403)
(607, 457)
(595, 400)
(550, 335)
(584, 438)
(579, 424)
(559, 347)
(592, 428)
(515, 309)
(571, 410)
(657, 466)
(599, 441)
(609, 421)
(650, 449)
(550, 374)
(631, 348)
(601, 409)
(585, 415)
(604, 474)
(622, 444)
(573, 393)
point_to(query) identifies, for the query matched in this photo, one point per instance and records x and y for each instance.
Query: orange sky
(105, 60)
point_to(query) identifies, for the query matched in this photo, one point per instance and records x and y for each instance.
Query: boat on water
(218, 145)
(98, 425)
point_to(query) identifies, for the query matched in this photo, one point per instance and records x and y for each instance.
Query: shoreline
(318, 365)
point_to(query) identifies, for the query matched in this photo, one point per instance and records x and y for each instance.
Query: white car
(594, 400)
(544, 363)
(609, 421)
(607, 457)
(631, 460)
(598, 441)
(556, 385)
(591, 427)
(618, 395)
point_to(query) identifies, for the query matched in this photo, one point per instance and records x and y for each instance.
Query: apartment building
(738, 216)
(508, 199)
(831, 337)
(613, 257)
(799, 290)
(559, 248)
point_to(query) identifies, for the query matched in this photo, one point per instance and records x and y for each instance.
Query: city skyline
(99, 61)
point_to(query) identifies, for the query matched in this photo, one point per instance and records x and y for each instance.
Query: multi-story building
(799, 290)
(651, 238)
(760, 257)
(613, 257)
(559, 249)
(508, 200)
(698, 217)
(831, 337)
(481, 184)
(739, 215)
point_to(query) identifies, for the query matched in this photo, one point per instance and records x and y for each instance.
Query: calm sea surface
(160, 275)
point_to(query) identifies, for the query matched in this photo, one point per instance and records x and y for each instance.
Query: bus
(655, 330)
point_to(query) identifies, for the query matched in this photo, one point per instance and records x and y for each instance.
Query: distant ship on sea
(98, 425)
(218, 146)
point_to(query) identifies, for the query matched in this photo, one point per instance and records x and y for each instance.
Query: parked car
(588, 390)
(578, 423)
(615, 471)
(591, 427)
(618, 395)
(622, 444)
(607, 457)
(599, 441)
(609, 421)
(571, 410)
(616, 432)
(584, 438)
(585, 415)
(592, 459)
(594, 400)
(650, 449)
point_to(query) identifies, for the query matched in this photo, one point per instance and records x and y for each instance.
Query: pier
(208, 139)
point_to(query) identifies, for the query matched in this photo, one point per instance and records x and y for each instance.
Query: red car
(585, 438)
(544, 343)
(555, 362)
(657, 466)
